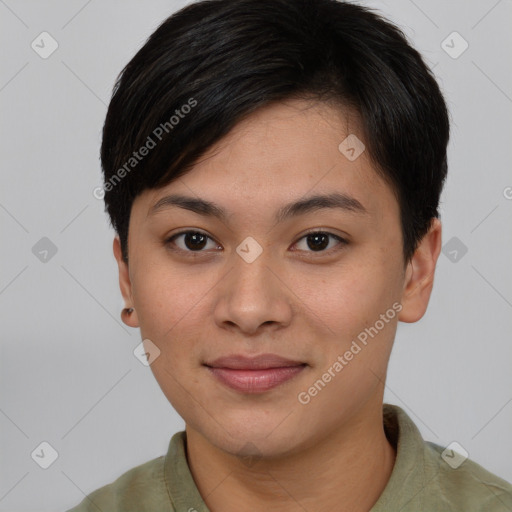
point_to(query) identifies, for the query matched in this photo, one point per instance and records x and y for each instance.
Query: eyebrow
(300, 207)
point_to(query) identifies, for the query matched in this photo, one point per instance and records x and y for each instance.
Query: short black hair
(214, 62)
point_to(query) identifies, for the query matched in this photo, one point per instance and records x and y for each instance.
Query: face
(321, 284)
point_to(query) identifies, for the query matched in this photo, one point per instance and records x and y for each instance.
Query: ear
(419, 275)
(125, 285)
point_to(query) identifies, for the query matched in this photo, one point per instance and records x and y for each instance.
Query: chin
(253, 438)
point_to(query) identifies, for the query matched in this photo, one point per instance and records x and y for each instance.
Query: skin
(304, 304)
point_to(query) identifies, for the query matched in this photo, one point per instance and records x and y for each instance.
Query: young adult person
(273, 171)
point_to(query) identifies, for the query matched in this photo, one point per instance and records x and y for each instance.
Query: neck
(347, 470)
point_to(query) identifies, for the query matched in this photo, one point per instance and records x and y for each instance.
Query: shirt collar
(412, 471)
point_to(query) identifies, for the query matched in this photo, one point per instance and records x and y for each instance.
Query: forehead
(280, 153)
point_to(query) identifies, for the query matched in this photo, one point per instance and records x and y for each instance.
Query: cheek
(171, 310)
(348, 298)
(169, 300)
(351, 304)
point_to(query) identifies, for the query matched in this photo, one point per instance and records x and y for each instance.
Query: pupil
(193, 240)
(320, 241)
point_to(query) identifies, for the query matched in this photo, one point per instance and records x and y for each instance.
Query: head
(303, 145)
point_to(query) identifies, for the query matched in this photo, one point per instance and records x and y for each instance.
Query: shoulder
(429, 477)
(465, 484)
(139, 489)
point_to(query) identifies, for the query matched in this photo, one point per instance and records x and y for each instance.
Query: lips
(254, 374)
(261, 362)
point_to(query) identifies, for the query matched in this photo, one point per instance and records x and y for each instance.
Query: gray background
(68, 373)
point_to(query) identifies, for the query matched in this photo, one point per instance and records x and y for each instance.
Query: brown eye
(191, 241)
(195, 241)
(318, 241)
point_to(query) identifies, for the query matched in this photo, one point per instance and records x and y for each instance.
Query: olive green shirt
(422, 480)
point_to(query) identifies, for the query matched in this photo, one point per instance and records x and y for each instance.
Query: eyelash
(342, 241)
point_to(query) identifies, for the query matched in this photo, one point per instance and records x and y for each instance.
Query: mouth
(254, 374)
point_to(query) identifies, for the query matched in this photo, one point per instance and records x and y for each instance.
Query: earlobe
(419, 275)
(128, 315)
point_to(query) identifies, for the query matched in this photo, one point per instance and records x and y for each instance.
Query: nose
(253, 297)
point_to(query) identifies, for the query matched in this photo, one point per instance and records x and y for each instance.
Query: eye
(192, 241)
(318, 241)
(195, 241)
